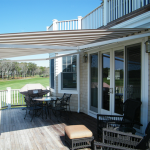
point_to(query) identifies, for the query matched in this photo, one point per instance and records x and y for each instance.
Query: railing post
(9, 97)
(79, 22)
(55, 26)
(48, 88)
(106, 16)
(47, 28)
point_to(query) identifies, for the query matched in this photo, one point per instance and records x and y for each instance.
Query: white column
(79, 22)
(8, 99)
(48, 88)
(106, 15)
(55, 26)
(78, 81)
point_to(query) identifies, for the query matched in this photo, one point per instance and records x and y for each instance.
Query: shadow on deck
(17, 133)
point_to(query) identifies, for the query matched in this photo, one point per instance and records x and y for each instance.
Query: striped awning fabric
(31, 43)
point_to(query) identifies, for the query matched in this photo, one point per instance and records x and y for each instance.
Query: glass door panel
(119, 81)
(94, 82)
(105, 81)
(133, 74)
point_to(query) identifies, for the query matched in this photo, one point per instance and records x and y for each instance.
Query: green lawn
(19, 83)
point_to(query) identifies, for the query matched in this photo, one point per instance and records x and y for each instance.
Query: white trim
(76, 91)
(144, 86)
(78, 81)
(89, 83)
(92, 114)
(134, 22)
(115, 40)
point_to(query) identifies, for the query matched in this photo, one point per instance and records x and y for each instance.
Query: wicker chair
(113, 140)
(130, 107)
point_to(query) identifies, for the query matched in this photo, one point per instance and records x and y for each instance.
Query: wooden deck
(18, 133)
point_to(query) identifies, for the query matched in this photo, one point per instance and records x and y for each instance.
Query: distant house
(109, 71)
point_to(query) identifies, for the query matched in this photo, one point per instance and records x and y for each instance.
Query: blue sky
(34, 15)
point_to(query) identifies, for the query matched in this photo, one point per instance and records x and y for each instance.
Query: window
(69, 72)
(52, 73)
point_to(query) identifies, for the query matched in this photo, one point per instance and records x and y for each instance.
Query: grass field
(19, 83)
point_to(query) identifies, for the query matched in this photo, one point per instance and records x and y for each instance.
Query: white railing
(108, 11)
(3, 98)
(50, 28)
(64, 25)
(11, 97)
(119, 8)
(94, 19)
(16, 97)
(68, 25)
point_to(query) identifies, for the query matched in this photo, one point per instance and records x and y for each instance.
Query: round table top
(47, 98)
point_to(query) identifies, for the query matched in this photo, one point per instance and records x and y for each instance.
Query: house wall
(83, 86)
(55, 92)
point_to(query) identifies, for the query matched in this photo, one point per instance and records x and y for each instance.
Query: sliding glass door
(133, 74)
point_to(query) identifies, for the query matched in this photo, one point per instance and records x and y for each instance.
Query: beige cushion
(77, 131)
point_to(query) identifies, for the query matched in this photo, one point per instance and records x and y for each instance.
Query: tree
(31, 68)
(14, 68)
(24, 68)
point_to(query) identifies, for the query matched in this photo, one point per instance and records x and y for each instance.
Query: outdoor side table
(78, 136)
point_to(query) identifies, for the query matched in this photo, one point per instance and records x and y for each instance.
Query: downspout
(78, 75)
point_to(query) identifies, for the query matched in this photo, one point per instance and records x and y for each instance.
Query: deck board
(40, 134)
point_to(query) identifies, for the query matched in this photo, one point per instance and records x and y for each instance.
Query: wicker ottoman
(78, 136)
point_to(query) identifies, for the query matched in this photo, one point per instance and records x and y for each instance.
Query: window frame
(68, 90)
(62, 73)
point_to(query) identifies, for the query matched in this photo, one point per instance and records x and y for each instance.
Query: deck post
(55, 25)
(9, 97)
(79, 22)
(48, 88)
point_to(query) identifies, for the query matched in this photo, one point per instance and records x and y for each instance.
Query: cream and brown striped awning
(31, 43)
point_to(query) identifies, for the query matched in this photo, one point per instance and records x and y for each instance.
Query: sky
(35, 15)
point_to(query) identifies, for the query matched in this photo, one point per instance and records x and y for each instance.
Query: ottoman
(78, 136)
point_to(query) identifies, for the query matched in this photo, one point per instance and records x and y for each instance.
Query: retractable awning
(31, 43)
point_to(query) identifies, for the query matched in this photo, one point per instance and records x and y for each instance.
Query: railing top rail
(92, 11)
(50, 26)
(67, 20)
(3, 90)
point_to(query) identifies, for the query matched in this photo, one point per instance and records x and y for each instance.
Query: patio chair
(65, 101)
(113, 139)
(130, 107)
(57, 107)
(31, 106)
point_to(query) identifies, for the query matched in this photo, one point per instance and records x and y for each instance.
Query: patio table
(46, 100)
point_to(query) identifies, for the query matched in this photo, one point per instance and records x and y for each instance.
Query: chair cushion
(77, 131)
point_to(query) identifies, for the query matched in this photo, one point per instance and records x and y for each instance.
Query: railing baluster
(0, 101)
(5, 98)
(109, 10)
(22, 99)
(17, 97)
(14, 97)
(76, 25)
(129, 6)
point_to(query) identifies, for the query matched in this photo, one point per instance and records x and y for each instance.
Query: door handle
(110, 90)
